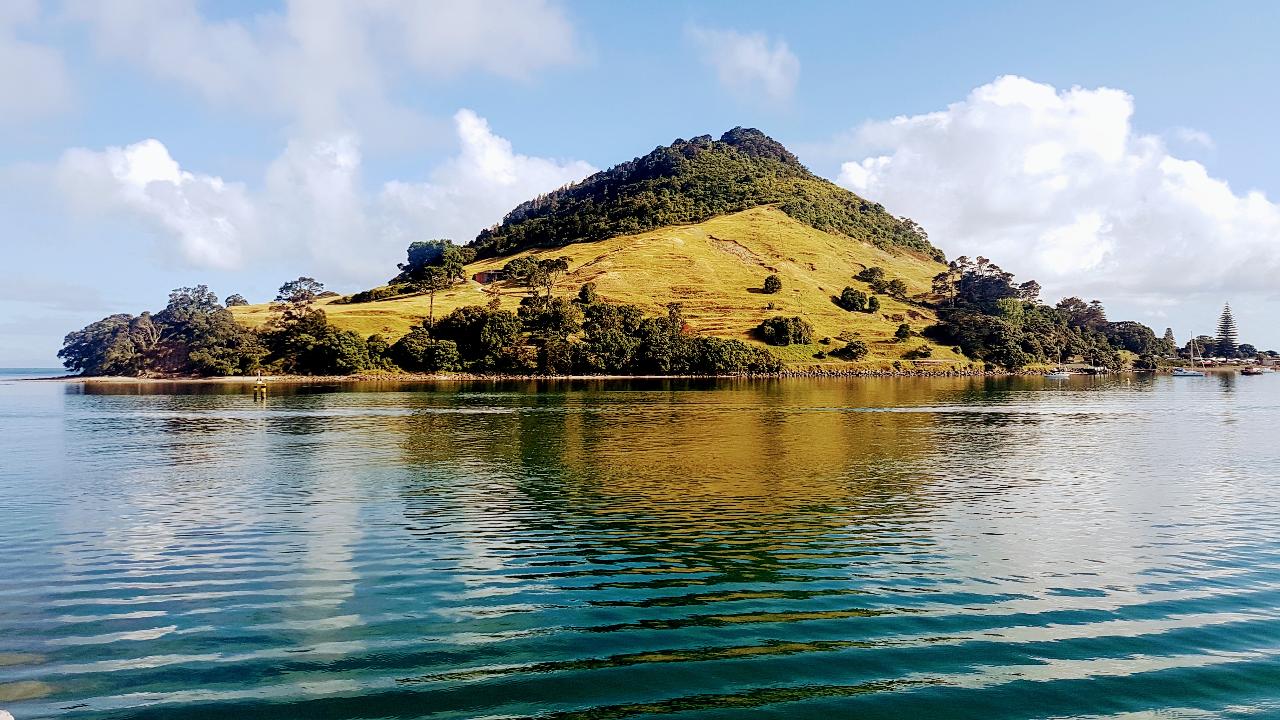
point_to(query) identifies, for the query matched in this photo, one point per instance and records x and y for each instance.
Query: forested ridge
(690, 181)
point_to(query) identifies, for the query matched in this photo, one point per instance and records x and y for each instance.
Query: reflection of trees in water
(748, 482)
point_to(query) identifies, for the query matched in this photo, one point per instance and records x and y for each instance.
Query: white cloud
(33, 77)
(328, 65)
(1057, 185)
(1191, 136)
(747, 63)
(210, 220)
(312, 213)
(474, 189)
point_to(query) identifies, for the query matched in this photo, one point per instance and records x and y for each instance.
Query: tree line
(982, 310)
(195, 334)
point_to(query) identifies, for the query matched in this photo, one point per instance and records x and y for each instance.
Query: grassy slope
(712, 268)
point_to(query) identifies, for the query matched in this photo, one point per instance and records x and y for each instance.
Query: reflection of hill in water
(665, 487)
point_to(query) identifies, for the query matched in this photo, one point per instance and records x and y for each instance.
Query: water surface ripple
(943, 548)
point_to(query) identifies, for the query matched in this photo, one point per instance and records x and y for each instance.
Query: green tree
(873, 304)
(902, 333)
(302, 291)
(105, 347)
(785, 331)
(440, 253)
(339, 352)
(1228, 336)
(772, 284)
(235, 300)
(419, 352)
(852, 300)
(611, 338)
(487, 340)
(433, 280)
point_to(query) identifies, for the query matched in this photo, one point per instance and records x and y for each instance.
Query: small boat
(1058, 373)
(1194, 370)
(1253, 371)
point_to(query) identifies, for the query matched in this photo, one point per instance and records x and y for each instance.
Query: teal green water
(942, 548)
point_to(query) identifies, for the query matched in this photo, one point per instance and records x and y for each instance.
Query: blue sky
(1119, 152)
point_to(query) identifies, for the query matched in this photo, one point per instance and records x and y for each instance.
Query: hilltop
(691, 181)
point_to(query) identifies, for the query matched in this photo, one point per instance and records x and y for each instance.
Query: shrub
(903, 332)
(772, 284)
(852, 350)
(923, 351)
(873, 304)
(785, 331)
(852, 300)
(872, 275)
(379, 293)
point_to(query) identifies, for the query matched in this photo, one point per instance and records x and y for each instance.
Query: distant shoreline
(465, 377)
(470, 377)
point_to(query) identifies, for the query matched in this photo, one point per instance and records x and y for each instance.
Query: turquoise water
(941, 548)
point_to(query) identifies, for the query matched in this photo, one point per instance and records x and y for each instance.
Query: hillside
(691, 181)
(715, 268)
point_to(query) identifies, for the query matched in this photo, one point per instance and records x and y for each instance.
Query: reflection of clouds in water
(1070, 489)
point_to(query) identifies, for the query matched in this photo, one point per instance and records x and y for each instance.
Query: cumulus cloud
(324, 64)
(1056, 185)
(748, 64)
(210, 220)
(33, 77)
(312, 208)
(485, 180)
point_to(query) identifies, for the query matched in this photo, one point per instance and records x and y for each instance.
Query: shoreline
(813, 373)
(469, 377)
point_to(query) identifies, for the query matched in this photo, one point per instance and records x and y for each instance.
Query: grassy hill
(715, 268)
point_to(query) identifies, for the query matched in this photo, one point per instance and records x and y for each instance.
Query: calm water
(948, 548)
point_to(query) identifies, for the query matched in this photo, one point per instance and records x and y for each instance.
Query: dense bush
(441, 254)
(386, 292)
(852, 300)
(902, 333)
(772, 284)
(418, 352)
(785, 331)
(193, 334)
(852, 350)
